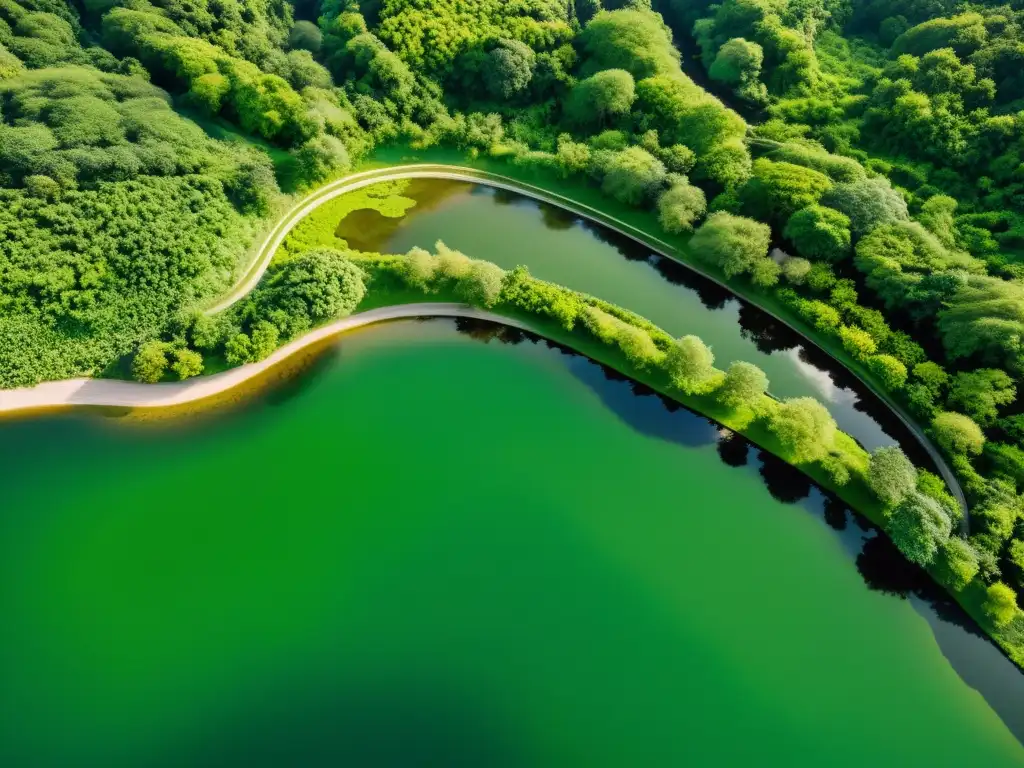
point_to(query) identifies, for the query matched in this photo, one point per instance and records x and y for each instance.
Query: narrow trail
(122, 393)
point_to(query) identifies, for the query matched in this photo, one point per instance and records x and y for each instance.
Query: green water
(511, 229)
(435, 551)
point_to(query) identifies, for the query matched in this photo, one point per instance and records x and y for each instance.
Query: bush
(187, 363)
(890, 371)
(744, 386)
(891, 475)
(804, 428)
(818, 232)
(919, 526)
(733, 244)
(481, 285)
(633, 176)
(150, 362)
(795, 269)
(857, 342)
(680, 206)
(1000, 604)
(690, 366)
(957, 434)
(957, 563)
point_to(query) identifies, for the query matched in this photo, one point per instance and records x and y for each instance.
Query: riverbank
(581, 200)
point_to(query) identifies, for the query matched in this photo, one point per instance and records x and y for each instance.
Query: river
(435, 548)
(509, 229)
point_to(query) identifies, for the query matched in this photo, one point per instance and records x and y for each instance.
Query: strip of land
(111, 392)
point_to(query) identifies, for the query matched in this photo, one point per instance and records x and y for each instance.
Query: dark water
(435, 548)
(509, 229)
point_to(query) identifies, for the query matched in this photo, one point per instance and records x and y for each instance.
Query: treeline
(323, 284)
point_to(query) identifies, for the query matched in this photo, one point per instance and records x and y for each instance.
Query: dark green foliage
(777, 190)
(818, 232)
(600, 98)
(980, 393)
(309, 289)
(509, 69)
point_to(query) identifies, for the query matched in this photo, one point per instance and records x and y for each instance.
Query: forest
(144, 146)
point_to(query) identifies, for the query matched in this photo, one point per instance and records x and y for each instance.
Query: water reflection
(974, 656)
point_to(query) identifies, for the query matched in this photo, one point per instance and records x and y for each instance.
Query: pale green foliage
(321, 158)
(633, 175)
(418, 268)
(804, 428)
(958, 563)
(867, 203)
(690, 366)
(1000, 604)
(957, 434)
(918, 527)
(891, 475)
(744, 386)
(187, 363)
(680, 206)
(734, 244)
(857, 342)
(638, 346)
(481, 285)
(795, 269)
(150, 362)
(451, 264)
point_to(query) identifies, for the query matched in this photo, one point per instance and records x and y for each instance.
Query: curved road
(103, 392)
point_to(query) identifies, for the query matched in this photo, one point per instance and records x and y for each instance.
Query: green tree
(958, 563)
(320, 158)
(690, 366)
(890, 371)
(891, 475)
(933, 376)
(818, 232)
(481, 286)
(957, 434)
(150, 362)
(734, 244)
(918, 526)
(980, 393)
(187, 363)
(595, 100)
(795, 269)
(778, 190)
(509, 69)
(633, 175)
(804, 428)
(738, 64)
(635, 40)
(867, 203)
(238, 349)
(305, 35)
(1000, 604)
(857, 342)
(680, 206)
(744, 386)
(264, 340)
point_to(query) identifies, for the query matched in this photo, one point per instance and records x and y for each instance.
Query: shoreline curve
(254, 272)
(132, 394)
